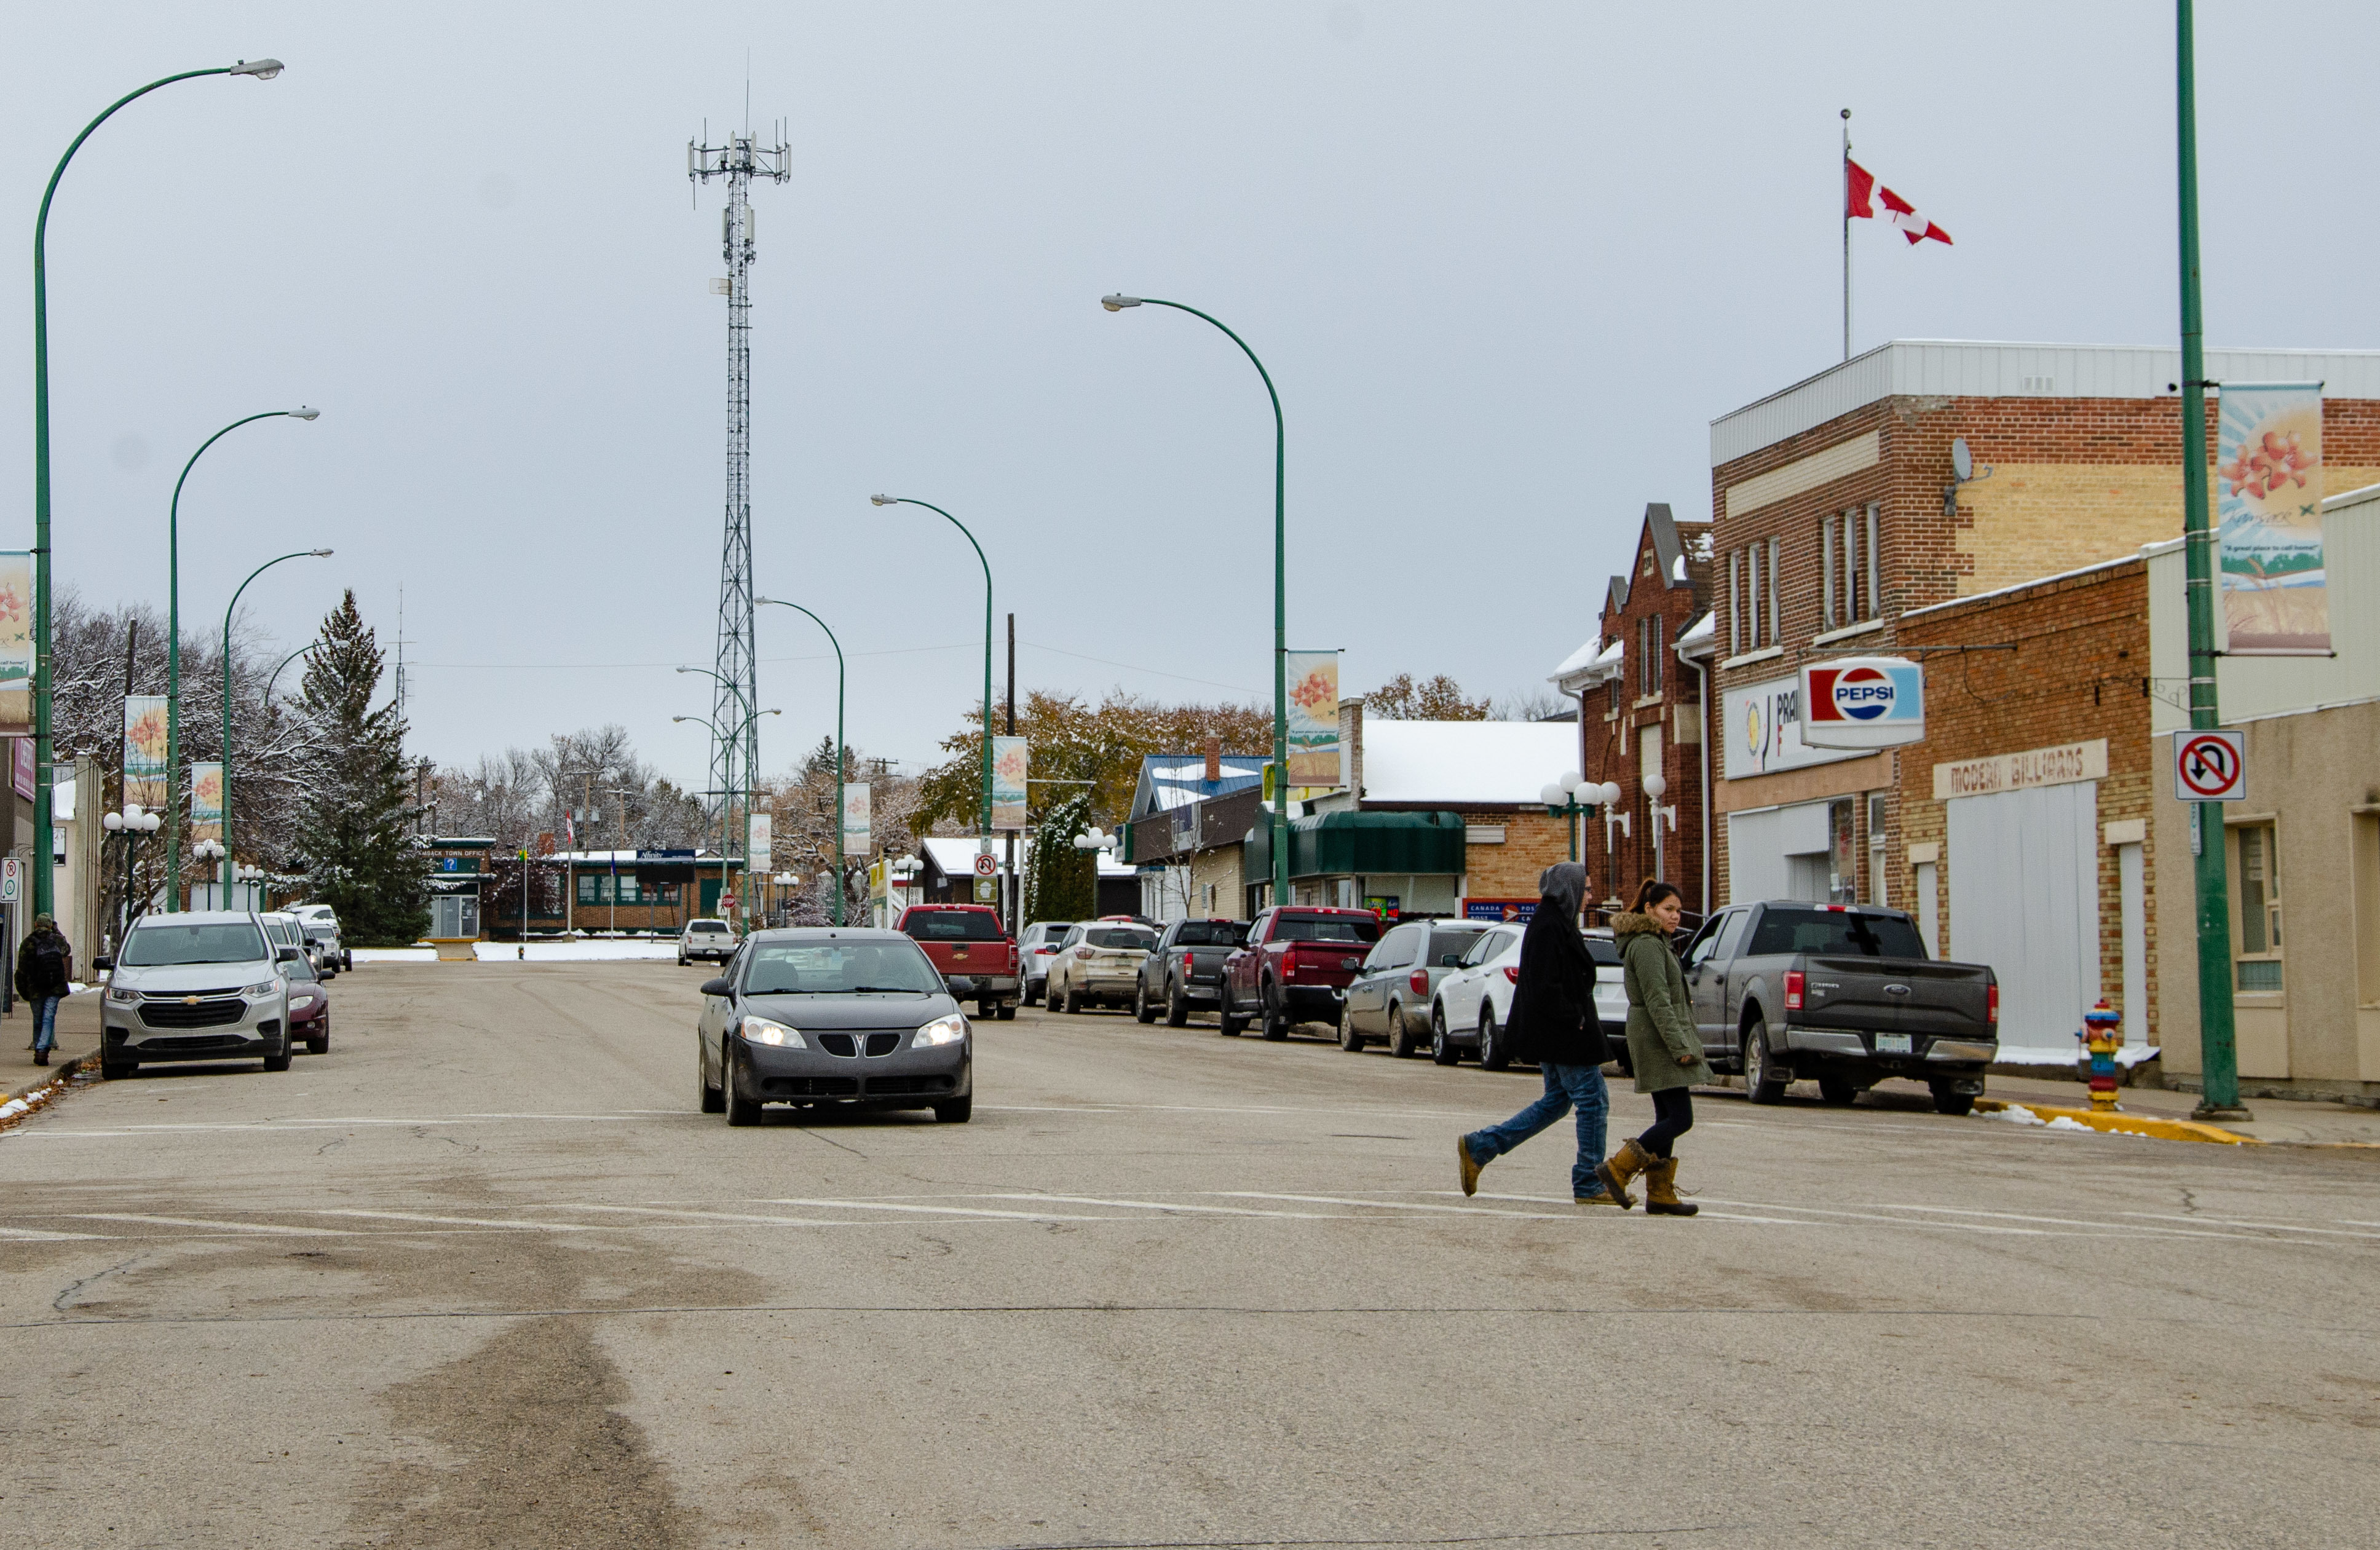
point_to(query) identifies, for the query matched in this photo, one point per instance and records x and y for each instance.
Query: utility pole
(2217, 1047)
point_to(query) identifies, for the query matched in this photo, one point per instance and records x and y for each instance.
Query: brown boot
(1661, 1190)
(1470, 1165)
(1624, 1165)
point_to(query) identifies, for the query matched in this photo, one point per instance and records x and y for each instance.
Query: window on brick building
(1847, 564)
(1648, 656)
(1776, 593)
(1735, 602)
(1872, 593)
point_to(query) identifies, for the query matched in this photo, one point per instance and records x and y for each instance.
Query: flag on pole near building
(1865, 193)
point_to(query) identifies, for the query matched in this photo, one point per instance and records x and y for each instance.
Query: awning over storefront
(1361, 844)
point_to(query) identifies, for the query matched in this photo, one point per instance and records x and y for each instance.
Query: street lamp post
(1568, 797)
(726, 798)
(841, 755)
(722, 840)
(983, 825)
(228, 609)
(43, 884)
(1280, 590)
(132, 823)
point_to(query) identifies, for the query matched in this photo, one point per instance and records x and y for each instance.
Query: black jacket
(1553, 1016)
(44, 962)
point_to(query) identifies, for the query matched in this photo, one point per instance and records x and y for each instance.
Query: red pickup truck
(972, 949)
(1296, 967)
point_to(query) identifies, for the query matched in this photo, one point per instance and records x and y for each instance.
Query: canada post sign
(1863, 702)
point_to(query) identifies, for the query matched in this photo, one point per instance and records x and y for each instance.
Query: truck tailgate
(1897, 994)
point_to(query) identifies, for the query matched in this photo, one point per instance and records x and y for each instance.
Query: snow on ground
(2130, 1055)
(538, 952)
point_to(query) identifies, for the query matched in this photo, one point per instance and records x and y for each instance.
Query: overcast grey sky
(1505, 262)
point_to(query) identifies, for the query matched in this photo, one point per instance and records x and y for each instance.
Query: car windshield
(1603, 950)
(1835, 931)
(1121, 935)
(231, 941)
(1326, 929)
(953, 926)
(281, 931)
(298, 968)
(1052, 929)
(1456, 940)
(321, 931)
(1212, 933)
(840, 968)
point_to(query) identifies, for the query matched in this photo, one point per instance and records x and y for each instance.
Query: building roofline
(2139, 557)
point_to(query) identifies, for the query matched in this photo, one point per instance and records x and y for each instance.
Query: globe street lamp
(1280, 590)
(226, 849)
(842, 754)
(174, 644)
(132, 823)
(983, 826)
(1568, 798)
(262, 69)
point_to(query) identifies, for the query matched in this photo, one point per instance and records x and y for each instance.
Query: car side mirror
(720, 986)
(103, 964)
(286, 954)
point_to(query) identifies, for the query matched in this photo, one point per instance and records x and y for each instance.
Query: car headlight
(941, 1030)
(762, 1030)
(123, 997)
(266, 989)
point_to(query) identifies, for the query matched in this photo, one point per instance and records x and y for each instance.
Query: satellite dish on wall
(1962, 462)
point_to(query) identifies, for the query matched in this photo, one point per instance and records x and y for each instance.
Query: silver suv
(200, 986)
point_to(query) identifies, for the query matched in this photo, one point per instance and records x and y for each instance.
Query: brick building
(1835, 510)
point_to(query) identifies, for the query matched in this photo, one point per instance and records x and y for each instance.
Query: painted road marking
(271, 1228)
(2266, 1227)
(33, 1235)
(1165, 1206)
(1390, 1205)
(864, 1205)
(458, 1222)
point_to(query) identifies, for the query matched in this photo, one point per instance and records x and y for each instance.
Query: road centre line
(272, 1228)
(1603, 1213)
(940, 1210)
(1165, 1206)
(1392, 1205)
(35, 1235)
(458, 1222)
(2266, 1227)
(2060, 1221)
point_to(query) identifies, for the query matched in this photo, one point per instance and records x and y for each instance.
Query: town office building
(2302, 850)
(1837, 509)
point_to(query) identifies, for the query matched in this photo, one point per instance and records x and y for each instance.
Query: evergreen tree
(1065, 881)
(353, 835)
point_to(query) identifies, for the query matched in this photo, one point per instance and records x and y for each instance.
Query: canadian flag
(1860, 184)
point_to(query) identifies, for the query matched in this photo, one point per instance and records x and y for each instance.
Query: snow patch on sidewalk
(590, 949)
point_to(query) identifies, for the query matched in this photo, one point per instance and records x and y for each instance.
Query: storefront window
(1876, 857)
(2255, 860)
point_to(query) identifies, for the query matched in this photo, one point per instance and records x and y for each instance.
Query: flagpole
(1846, 192)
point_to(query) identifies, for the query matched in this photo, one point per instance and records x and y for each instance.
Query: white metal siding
(1763, 849)
(2024, 899)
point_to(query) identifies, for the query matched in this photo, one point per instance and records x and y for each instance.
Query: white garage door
(2024, 899)
(1770, 854)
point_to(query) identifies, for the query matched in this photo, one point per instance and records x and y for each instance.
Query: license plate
(1892, 1044)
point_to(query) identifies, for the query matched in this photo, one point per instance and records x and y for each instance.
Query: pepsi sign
(1863, 702)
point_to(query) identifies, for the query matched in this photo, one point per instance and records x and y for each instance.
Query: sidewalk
(78, 1037)
(2276, 1119)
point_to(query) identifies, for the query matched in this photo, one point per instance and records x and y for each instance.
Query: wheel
(1229, 1024)
(116, 1071)
(347, 960)
(1493, 1056)
(713, 1100)
(1349, 1039)
(1074, 1006)
(1400, 1039)
(1007, 1011)
(1947, 1102)
(319, 1044)
(281, 1061)
(987, 1011)
(741, 1111)
(1177, 1008)
(1441, 1048)
(1141, 1010)
(1838, 1089)
(1763, 1082)
(681, 960)
(956, 1111)
(1274, 1025)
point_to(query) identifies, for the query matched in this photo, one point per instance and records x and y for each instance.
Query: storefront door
(2024, 899)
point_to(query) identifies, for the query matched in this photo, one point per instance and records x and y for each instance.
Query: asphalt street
(482, 1276)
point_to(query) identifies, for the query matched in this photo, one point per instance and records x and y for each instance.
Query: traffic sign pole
(2217, 1047)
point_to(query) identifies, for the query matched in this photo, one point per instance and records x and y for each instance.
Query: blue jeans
(45, 1021)
(1567, 1087)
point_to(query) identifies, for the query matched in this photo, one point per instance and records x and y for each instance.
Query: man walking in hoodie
(44, 973)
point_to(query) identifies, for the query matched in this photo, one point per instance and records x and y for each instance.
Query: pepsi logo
(1862, 693)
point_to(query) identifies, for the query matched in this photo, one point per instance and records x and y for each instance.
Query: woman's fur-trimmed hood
(1633, 923)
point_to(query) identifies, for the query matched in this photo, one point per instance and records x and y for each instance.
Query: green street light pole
(43, 884)
(1280, 591)
(173, 655)
(983, 826)
(274, 677)
(726, 799)
(2217, 1045)
(748, 818)
(228, 609)
(842, 754)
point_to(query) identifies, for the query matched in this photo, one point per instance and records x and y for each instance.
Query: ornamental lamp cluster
(1096, 840)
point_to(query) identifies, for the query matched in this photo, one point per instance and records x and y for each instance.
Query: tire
(1227, 1024)
(987, 1011)
(1029, 996)
(318, 1045)
(346, 962)
(1141, 1010)
(957, 1111)
(1493, 1056)
(1349, 1039)
(741, 1111)
(1443, 1048)
(1274, 1025)
(1400, 1039)
(281, 1061)
(713, 1100)
(1007, 1012)
(1838, 1089)
(1177, 1008)
(1954, 1103)
(1074, 1007)
(117, 1071)
(1761, 1082)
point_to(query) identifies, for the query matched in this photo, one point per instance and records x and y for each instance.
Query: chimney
(1214, 760)
(1351, 750)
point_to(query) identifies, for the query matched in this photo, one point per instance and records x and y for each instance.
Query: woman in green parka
(1663, 1045)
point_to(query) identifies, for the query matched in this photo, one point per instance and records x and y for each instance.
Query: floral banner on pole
(2268, 521)
(1313, 718)
(854, 819)
(144, 751)
(206, 802)
(1010, 762)
(16, 642)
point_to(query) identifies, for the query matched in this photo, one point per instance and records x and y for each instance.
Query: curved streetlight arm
(842, 754)
(984, 824)
(44, 883)
(228, 610)
(275, 675)
(717, 679)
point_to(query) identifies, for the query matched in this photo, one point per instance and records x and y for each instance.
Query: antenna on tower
(735, 731)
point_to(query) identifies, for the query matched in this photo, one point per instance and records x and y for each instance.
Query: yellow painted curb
(2127, 1124)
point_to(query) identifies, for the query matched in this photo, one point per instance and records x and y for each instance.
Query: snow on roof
(1170, 781)
(1596, 659)
(1454, 763)
(955, 854)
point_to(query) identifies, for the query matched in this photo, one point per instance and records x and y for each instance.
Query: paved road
(483, 1277)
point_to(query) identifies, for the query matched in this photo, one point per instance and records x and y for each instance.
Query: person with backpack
(1663, 1045)
(45, 974)
(1553, 1021)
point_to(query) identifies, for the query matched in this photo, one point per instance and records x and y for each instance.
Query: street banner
(2268, 521)
(1313, 718)
(144, 751)
(16, 642)
(755, 844)
(1010, 761)
(24, 770)
(854, 818)
(206, 802)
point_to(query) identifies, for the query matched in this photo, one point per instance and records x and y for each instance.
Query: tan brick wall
(1220, 866)
(1533, 841)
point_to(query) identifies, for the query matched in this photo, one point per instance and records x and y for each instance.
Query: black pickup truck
(1842, 994)
(1186, 969)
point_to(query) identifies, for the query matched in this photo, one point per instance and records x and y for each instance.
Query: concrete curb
(2126, 1125)
(19, 1105)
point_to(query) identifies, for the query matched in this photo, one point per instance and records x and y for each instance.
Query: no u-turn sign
(2210, 766)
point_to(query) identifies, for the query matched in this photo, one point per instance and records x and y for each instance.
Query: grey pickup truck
(1186, 969)
(1842, 994)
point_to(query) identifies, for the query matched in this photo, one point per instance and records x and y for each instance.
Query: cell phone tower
(735, 736)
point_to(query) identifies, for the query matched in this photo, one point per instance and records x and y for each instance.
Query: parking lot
(483, 1276)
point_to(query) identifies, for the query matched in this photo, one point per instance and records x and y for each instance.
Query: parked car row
(219, 985)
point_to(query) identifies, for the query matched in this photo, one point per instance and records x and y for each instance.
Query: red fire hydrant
(2101, 1035)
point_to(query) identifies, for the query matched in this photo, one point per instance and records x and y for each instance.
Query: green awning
(1361, 844)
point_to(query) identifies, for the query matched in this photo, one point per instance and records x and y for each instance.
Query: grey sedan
(1390, 1000)
(833, 1015)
